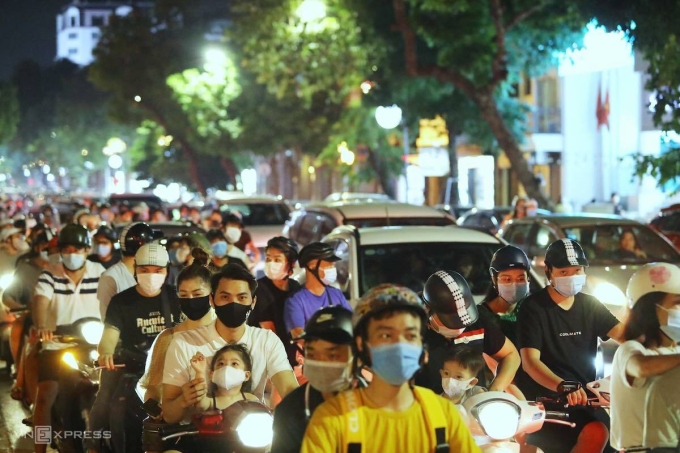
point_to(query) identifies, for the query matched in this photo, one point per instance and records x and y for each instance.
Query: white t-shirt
(116, 279)
(70, 302)
(236, 252)
(267, 351)
(662, 429)
(628, 400)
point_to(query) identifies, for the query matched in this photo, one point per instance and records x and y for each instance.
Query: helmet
(74, 234)
(448, 295)
(108, 232)
(332, 324)
(565, 253)
(80, 213)
(653, 277)
(287, 246)
(316, 251)
(509, 257)
(134, 236)
(386, 297)
(196, 239)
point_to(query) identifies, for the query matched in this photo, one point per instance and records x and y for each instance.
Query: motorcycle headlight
(94, 355)
(255, 430)
(498, 418)
(92, 331)
(608, 293)
(6, 280)
(69, 359)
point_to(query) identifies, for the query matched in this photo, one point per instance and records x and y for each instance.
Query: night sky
(27, 31)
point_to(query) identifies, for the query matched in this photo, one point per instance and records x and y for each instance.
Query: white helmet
(653, 277)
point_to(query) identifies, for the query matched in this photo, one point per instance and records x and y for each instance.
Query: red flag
(602, 111)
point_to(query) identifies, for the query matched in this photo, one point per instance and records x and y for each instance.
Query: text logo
(42, 434)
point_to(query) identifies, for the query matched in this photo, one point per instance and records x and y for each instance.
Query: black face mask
(195, 308)
(233, 315)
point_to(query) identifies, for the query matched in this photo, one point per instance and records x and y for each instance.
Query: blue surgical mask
(570, 286)
(395, 363)
(172, 254)
(513, 292)
(73, 261)
(219, 249)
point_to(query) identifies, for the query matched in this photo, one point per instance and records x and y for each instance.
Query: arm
(508, 363)
(177, 399)
(40, 304)
(644, 366)
(537, 370)
(106, 289)
(285, 382)
(616, 333)
(292, 317)
(256, 253)
(269, 325)
(107, 346)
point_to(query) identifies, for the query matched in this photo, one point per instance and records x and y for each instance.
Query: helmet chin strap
(315, 273)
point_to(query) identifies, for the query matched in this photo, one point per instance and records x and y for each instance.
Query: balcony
(546, 120)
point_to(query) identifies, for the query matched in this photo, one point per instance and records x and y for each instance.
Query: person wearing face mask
(390, 414)
(134, 316)
(106, 247)
(120, 276)
(559, 327)
(223, 252)
(240, 238)
(459, 375)
(62, 296)
(648, 362)
(106, 214)
(232, 291)
(318, 259)
(455, 321)
(328, 338)
(274, 289)
(13, 245)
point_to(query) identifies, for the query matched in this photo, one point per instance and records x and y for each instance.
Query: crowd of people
(390, 372)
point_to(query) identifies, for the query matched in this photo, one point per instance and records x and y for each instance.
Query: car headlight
(255, 430)
(6, 280)
(69, 359)
(498, 418)
(609, 293)
(92, 331)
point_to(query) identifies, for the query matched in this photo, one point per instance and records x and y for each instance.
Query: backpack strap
(435, 419)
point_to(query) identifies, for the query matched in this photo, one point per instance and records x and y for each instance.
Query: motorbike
(243, 427)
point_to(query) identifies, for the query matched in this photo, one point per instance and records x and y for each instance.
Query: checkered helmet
(565, 253)
(448, 295)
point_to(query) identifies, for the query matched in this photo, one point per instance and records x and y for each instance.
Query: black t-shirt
(140, 319)
(290, 420)
(484, 335)
(507, 322)
(567, 339)
(115, 258)
(269, 308)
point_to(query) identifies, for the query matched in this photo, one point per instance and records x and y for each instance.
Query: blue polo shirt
(303, 304)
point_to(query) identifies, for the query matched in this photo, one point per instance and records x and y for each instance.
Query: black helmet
(316, 251)
(74, 234)
(287, 246)
(448, 295)
(509, 257)
(332, 324)
(134, 236)
(565, 253)
(108, 232)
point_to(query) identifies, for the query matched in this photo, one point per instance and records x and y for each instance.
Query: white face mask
(455, 388)
(233, 234)
(444, 331)
(328, 376)
(182, 254)
(275, 271)
(672, 328)
(330, 276)
(20, 244)
(73, 261)
(44, 256)
(103, 250)
(150, 283)
(570, 286)
(228, 377)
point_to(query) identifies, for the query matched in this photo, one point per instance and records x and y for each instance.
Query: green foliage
(9, 112)
(664, 168)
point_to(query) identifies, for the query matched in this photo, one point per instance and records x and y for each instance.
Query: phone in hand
(152, 407)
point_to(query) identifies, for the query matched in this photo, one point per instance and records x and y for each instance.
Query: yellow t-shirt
(384, 431)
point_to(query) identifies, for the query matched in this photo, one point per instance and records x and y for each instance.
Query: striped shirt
(70, 302)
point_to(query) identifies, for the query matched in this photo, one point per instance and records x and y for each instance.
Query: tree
(9, 116)
(478, 47)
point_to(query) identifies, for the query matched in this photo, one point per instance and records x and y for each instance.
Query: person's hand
(577, 398)
(106, 360)
(45, 334)
(193, 391)
(199, 364)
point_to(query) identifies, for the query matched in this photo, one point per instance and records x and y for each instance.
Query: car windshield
(608, 244)
(257, 214)
(399, 221)
(411, 264)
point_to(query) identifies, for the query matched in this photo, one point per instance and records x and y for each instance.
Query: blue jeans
(102, 410)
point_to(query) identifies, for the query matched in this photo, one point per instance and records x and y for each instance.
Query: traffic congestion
(244, 324)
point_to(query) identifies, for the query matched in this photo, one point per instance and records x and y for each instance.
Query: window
(72, 51)
(544, 237)
(72, 35)
(97, 21)
(519, 235)
(73, 21)
(96, 35)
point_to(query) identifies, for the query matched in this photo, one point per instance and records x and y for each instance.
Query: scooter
(243, 427)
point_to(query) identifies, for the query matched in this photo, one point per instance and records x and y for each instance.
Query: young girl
(229, 374)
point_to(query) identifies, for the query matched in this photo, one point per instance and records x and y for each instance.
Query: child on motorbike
(459, 375)
(229, 372)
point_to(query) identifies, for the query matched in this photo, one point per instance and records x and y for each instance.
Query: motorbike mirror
(566, 387)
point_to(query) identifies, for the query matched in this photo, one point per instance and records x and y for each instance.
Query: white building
(79, 28)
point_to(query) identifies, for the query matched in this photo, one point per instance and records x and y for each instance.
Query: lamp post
(389, 118)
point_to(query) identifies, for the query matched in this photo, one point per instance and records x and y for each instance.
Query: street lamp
(389, 118)
(311, 11)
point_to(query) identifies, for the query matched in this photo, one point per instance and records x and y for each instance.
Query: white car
(409, 255)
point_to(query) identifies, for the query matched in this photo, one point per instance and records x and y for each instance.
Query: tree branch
(525, 15)
(499, 65)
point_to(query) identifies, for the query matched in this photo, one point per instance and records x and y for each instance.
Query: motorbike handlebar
(19, 310)
(556, 415)
(173, 431)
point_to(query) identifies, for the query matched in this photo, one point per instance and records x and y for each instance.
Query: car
(408, 255)
(357, 196)
(610, 266)
(314, 221)
(667, 222)
(488, 219)
(169, 229)
(133, 199)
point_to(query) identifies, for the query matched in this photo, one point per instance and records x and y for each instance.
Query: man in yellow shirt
(391, 414)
